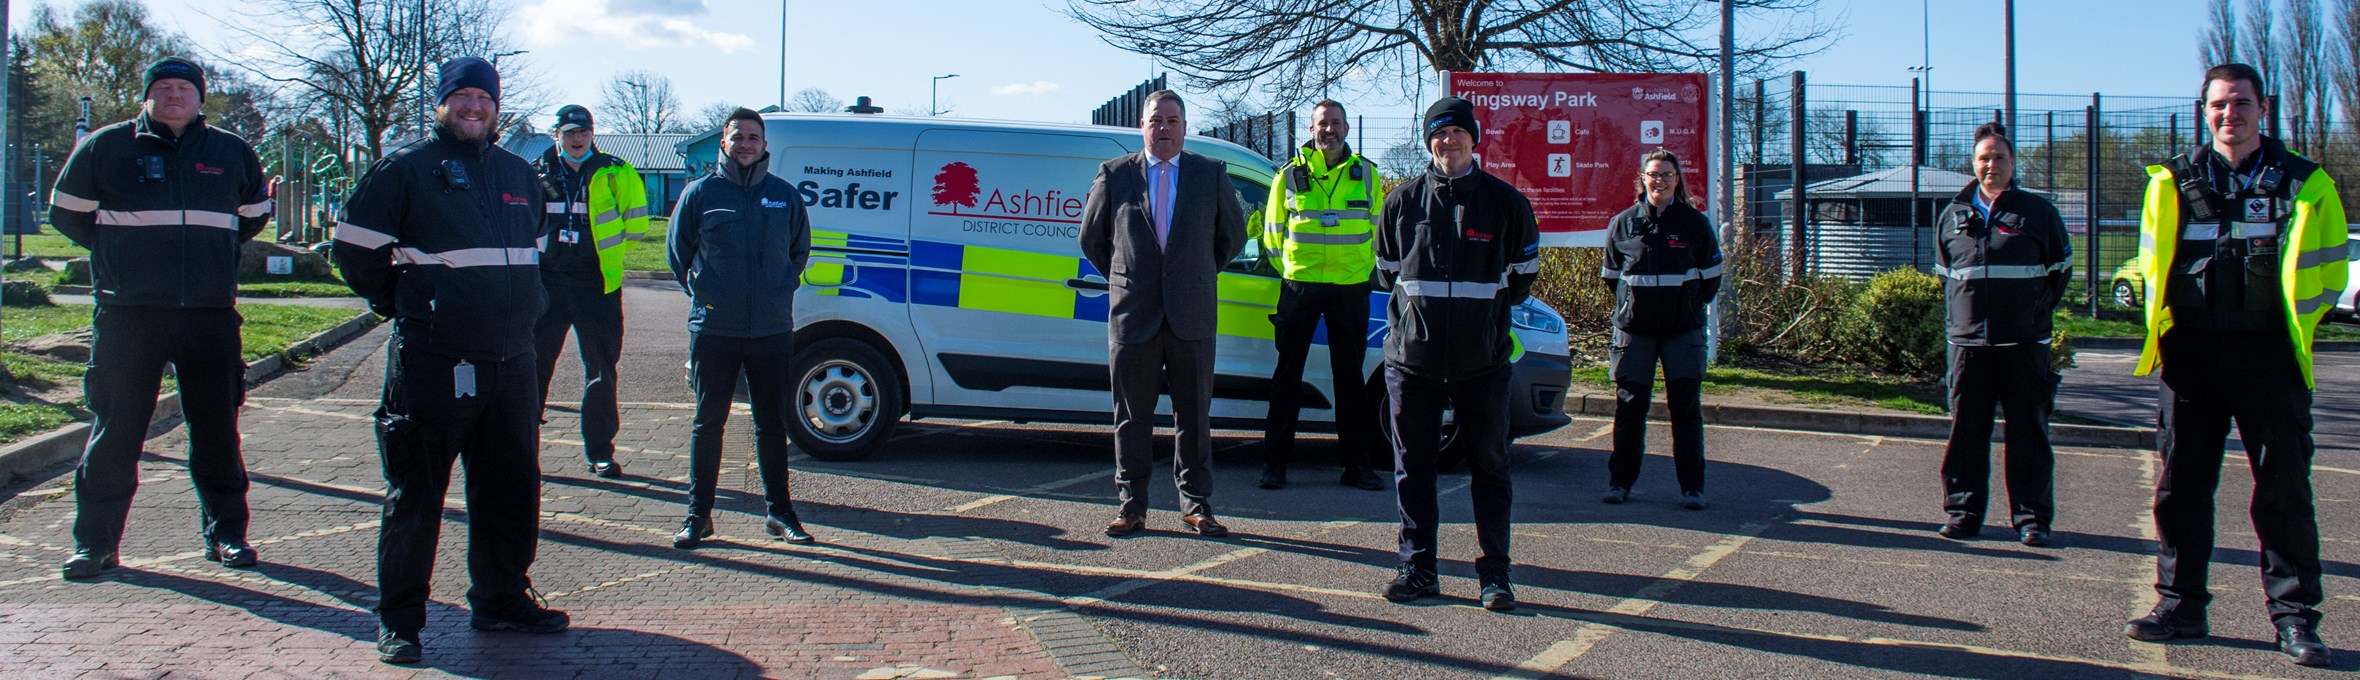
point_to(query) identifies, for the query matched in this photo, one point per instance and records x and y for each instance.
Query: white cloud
(1035, 88)
(632, 24)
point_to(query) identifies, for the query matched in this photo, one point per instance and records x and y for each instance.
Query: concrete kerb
(1864, 423)
(24, 458)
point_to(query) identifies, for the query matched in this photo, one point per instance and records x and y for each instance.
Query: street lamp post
(934, 94)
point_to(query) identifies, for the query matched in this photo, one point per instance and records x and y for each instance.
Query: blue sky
(1024, 60)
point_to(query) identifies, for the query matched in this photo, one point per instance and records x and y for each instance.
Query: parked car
(2348, 307)
(2129, 285)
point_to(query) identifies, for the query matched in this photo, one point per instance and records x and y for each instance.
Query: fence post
(1289, 152)
(2089, 215)
(1761, 117)
(1851, 137)
(1798, 207)
(2049, 145)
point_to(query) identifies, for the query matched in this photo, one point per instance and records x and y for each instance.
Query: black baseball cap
(573, 116)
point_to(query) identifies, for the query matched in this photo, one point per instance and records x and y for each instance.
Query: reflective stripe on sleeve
(255, 209)
(1609, 273)
(1449, 289)
(167, 218)
(365, 238)
(611, 241)
(468, 257)
(71, 202)
(635, 213)
(2322, 257)
(1389, 265)
(2323, 300)
(1996, 271)
(1532, 266)
(604, 217)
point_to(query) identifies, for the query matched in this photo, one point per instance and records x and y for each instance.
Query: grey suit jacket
(1177, 284)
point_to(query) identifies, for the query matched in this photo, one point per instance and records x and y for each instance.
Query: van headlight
(1534, 316)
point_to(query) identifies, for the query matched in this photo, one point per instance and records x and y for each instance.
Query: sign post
(1572, 141)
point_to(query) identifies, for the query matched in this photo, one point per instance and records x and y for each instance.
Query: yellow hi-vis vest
(1326, 231)
(2312, 260)
(617, 207)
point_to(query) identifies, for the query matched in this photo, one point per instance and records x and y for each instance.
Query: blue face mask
(570, 158)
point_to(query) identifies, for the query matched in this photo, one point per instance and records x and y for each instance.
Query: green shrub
(1765, 314)
(1569, 283)
(1896, 325)
(24, 294)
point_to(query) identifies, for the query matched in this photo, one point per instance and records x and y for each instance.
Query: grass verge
(648, 254)
(1803, 386)
(269, 329)
(2085, 327)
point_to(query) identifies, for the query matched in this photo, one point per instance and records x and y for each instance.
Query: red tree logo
(956, 185)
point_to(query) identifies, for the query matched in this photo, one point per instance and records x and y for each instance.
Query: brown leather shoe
(1126, 525)
(1205, 525)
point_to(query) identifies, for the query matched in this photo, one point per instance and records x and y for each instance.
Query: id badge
(2260, 210)
(569, 236)
(1328, 219)
(2206, 231)
(463, 380)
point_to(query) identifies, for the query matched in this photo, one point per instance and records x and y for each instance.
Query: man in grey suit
(1161, 224)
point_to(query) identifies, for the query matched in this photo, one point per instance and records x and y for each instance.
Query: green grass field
(648, 255)
(269, 329)
(1819, 387)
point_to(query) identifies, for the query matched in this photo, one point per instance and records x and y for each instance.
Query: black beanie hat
(467, 72)
(1449, 111)
(175, 67)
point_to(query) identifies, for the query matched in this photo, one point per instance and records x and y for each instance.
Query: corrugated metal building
(1861, 225)
(655, 156)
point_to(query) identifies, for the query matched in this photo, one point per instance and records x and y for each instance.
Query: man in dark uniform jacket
(439, 236)
(164, 202)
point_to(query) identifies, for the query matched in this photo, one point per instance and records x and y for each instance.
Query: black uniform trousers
(428, 418)
(596, 318)
(2209, 380)
(129, 347)
(714, 363)
(1632, 362)
(1140, 372)
(1481, 407)
(1302, 307)
(2017, 380)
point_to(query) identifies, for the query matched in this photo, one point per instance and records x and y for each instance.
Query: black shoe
(1361, 478)
(89, 564)
(1616, 495)
(524, 615)
(401, 648)
(231, 553)
(2033, 535)
(1958, 529)
(2160, 625)
(693, 531)
(1274, 476)
(788, 528)
(1692, 500)
(1497, 595)
(2301, 642)
(606, 468)
(1411, 582)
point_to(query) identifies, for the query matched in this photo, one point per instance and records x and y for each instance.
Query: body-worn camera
(151, 168)
(454, 174)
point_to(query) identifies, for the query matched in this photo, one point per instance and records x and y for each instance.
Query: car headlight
(1534, 316)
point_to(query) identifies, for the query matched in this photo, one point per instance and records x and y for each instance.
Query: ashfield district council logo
(959, 192)
(1638, 92)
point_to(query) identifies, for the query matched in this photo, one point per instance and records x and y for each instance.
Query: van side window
(1252, 195)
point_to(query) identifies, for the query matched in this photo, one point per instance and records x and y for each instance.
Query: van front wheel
(847, 400)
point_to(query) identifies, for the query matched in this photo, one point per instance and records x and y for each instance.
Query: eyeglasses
(1660, 175)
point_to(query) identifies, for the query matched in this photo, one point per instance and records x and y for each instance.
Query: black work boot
(2164, 624)
(787, 528)
(693, 531)
(401, 648)
(88, 564)
(2301, 642)
(1498, 595)
(525, 614)
(1411, 582)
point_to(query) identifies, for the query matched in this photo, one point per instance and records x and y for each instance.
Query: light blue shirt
(1163, 177)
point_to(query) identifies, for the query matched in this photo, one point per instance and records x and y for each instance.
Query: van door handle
(1091, 282)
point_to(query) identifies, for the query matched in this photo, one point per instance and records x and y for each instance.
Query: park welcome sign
(1572, 141)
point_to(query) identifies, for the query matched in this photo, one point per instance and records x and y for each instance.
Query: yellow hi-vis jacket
(616, 205)
(1320, 223)
(2312, 260)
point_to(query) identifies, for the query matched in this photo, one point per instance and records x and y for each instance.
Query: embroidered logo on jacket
(210, 169)
(513, 199)
(767, 203)
(1473, 235)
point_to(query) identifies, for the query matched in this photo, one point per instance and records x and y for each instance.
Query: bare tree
(814, 100)
(2261, 44)
(711, 117)
(1295, 50)
(367, 64)
(2218, 44)
(2307, 64)
(640, 101)
(101, 51)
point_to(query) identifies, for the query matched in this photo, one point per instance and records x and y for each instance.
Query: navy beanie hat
(175, 67)
(467, 72)
(1449, 111)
